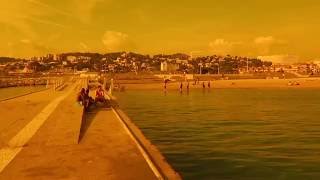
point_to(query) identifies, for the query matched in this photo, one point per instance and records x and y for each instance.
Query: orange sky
(203, 27)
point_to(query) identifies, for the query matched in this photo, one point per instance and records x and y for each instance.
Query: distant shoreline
(221, 84)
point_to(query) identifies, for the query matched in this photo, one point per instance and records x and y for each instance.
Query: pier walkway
(17, 113)
(67, 144)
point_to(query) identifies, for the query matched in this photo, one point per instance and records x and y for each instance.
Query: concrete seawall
(151, 151)
(153, 154)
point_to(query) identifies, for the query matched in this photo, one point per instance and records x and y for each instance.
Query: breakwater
(15, 82)
(6, 82)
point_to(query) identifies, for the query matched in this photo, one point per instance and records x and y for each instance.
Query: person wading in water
(165, 84)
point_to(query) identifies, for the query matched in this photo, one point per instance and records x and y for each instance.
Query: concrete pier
(17, 113)
(69, 144)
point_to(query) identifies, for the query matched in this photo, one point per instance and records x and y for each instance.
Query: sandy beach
(249, 83)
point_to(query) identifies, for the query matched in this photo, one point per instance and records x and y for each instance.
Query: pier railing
(55, 82)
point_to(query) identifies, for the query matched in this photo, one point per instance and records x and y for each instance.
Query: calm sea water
(232, 133)
(16, 91)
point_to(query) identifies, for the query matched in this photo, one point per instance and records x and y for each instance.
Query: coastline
(226, 84)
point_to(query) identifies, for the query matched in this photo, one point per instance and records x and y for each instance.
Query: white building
(71, 58)
(166, 67)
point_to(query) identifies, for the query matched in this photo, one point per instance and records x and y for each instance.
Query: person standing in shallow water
(188, 86)
(181, 86)
(203, 85)
(165, 85)
(209, 85)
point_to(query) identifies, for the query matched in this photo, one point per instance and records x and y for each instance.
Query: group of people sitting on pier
(86, 100)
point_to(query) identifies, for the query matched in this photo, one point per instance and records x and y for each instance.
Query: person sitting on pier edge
(82, 99)
(87, 96)
(100, 95)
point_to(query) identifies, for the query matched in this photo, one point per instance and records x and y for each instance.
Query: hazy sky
(237, 27)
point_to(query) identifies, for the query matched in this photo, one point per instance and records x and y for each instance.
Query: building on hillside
(164, 66)
(72, 59)
(179, 61)
(56, 57)
(167, 67)
(27, 69)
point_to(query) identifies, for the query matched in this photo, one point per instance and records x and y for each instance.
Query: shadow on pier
(88, 118)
